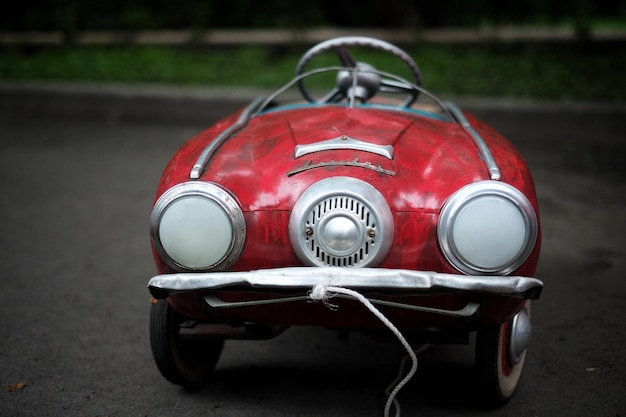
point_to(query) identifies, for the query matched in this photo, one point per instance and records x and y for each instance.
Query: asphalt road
(76, 194)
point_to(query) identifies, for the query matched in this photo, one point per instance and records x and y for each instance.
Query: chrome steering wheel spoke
(335, 96)
(345, 57)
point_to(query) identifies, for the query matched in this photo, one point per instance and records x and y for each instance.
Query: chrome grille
(342, 222)
(350, 210)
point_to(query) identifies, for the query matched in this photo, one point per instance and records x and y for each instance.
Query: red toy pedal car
(423, 209)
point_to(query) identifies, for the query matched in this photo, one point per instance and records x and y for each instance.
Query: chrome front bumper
(371, 279)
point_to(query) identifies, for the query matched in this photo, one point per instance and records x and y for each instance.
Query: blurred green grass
(552, 71)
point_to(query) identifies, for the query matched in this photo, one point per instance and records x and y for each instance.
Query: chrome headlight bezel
(515, 202)
(223, 201)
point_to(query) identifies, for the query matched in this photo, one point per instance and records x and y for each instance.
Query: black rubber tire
(183, 362)
(498, 376)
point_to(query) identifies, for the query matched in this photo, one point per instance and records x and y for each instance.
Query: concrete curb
(115, 103)
(503, 34)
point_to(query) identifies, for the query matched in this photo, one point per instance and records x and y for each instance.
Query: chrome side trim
(494, 171)
(204, 158)
(380, 279)
(469, 310)
(344, 142)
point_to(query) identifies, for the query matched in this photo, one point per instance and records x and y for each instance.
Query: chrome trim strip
(354, 163)
(469, 310)
(490, 162)
(344, 142)
(215, 302)
(259, 104)
(381, 279)
(204, 158)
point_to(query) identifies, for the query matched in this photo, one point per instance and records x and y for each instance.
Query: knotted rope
(324, 293)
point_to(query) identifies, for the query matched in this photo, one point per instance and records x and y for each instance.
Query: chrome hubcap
(521, 332)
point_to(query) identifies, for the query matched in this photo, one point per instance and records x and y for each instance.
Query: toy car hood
(280, 152)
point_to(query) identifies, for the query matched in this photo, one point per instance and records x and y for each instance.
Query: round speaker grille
(342, 222)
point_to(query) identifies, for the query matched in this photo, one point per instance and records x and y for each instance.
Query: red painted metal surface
(433, 158)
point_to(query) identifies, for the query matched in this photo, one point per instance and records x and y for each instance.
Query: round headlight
(487, 227)
(198, 226)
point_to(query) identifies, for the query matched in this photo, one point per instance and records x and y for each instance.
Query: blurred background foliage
(582, 68)
(523, 71)
(80, 15)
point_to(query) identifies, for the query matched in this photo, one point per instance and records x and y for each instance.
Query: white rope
(401, 372)
(325, 292)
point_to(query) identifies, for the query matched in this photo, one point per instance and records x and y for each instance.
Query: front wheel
(187, 362)
(500, 357)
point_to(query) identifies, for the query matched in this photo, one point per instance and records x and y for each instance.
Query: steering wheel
(367, 83)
